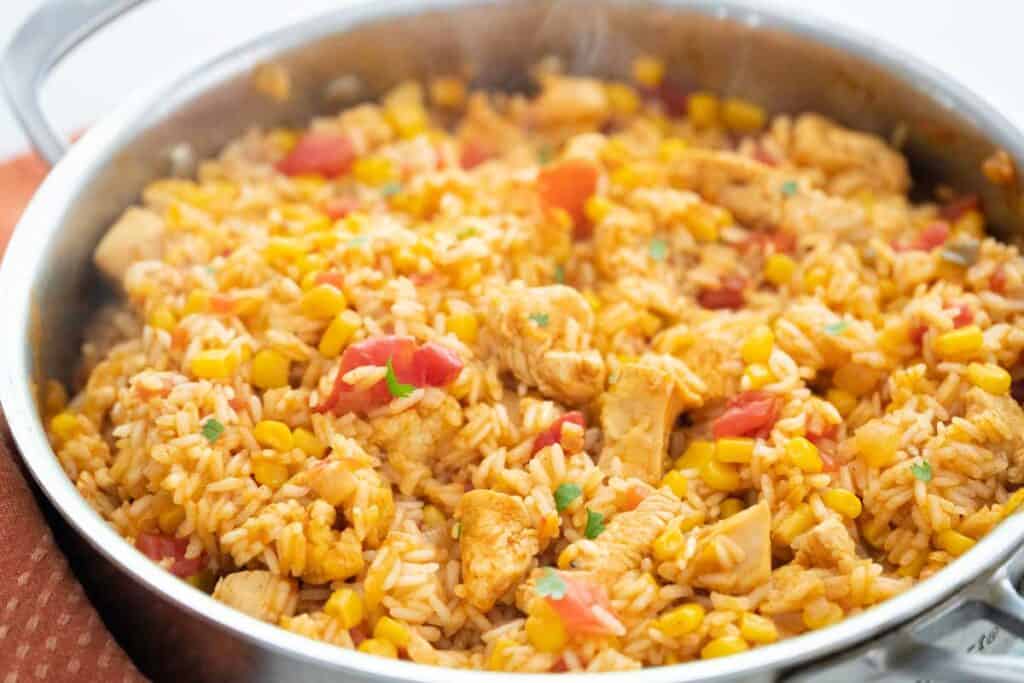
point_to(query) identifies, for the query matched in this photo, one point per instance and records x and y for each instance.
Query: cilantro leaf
(922, 471)
(788, 188)
(658, 249)
(396, 388)
(837, 328)
(389, 189)
(540, 319)
(565, 494)
(551, 585)
(212, 429)
(559, 273)
(595, 524)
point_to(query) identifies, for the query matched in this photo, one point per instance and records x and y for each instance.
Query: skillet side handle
(48, 35)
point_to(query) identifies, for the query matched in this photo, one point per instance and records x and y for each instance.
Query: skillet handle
(48, 35)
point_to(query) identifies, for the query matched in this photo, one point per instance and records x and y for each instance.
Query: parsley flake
(560, 273)
(922, 471)
(212, 429)
(788, 188)
(467, 233)
(390, 189)
(545, 154)
(837, 328)
(658, 249)
(551, 585)
(565, 494)
(540, 319)
(962, 253)
(457, 530)
(595, 524)
(396, 388)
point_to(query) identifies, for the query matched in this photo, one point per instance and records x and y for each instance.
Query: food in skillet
(603, 378)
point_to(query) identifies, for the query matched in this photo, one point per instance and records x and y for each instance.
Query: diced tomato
(358, 634)
(777, 242)
(935, 235)
(674, 98)
(998, 280)
(828, 461)
(963, 315)
(158, 548)
(430, 365)
(822, 434)
(568, 185)
(147, 392)
(751, 413)
(576, 607)
(959, 206)
(634, 496)
(238, 403)
(916, 333)
(325, 154)
(222, 304)
(179, 338)
(330, 277)
(560, 667)
(339, 207)
(728, 295)
(553, 433)
(473, 154)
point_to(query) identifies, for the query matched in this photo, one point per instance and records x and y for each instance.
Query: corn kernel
(381, 648)
(779, 269)
(374, 171)
(593, 300)
(972, 223)
(392, 631)
(648, 71)
(961, 343)
(198, 301)
(269, 472)
(844, 502)
(734, 449)
(913, 568)
(989, 377)
(162, 319)
(720, 476)
(544, 628)
(1013, 503)
(702, 223)
(672, 149)
(895, 336)
(877, 443)
(875, 532)
(857, 379)
(702, 108)
(637, 174)
(463, 325)
(273, 434)
(323, 301)
(339, 333)
(804, 455)
(286, 249)
(448, 92)
(622, 99)
(213, 364)
(815, 277)
(757, 346)
(729, 507)
(676, 481)
(567, 557)
(680, 621)
(758, 376)
(307, 442)
(597, 207)
(757, 629)
(822, 613)
(724, 646)
(64, 426)
(270, 369)
(742, 116)
(346, 606)
(844, 401)
(649, 323)
(468, 274)
(498, 658)
(433, 517)
(668, 544)
(696, 455)
(798, 521)
(953, 542)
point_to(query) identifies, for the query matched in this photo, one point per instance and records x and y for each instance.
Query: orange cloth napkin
(49, 631)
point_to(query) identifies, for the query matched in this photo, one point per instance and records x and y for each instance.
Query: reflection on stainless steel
(48, 283)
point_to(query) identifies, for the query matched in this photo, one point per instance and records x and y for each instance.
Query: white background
(974, 41)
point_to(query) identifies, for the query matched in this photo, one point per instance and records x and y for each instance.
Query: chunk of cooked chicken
(570, 100)
(639, 410)
(827, 544)
(999, 420)
(628, 537)
(542, 335)
(259, 594)
(852, 160)
(498, 544)
(734, 555)
(136, 236)
(412, 438)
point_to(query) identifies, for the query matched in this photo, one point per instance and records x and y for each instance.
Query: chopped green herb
(212, 429)
(565, 494)
(788, 188)
(396, 388)
(457, 530)
(211, 270)
(837, 328)
(540, 319)
(595, 524)
(389, 189)
(357, 241)
(551, 585)
(658, 249)
(560, 273)
(467, 233)
(545, 154)
(922, 471)
(962, 253)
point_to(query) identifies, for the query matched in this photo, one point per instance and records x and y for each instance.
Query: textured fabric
(48, 629)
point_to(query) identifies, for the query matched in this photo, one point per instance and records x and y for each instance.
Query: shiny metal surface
(48, 286)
